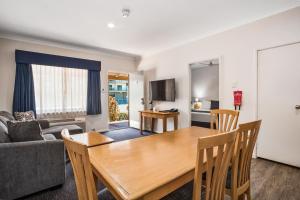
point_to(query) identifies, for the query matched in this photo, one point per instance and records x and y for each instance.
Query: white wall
(236, 48)
(109, 62)
(205, 82)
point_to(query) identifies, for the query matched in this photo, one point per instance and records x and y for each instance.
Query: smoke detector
(125, 12)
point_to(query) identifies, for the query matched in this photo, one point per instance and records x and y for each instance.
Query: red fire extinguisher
(237, 96)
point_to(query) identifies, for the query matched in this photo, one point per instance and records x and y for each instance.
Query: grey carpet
(120, 125)
(269, 180)
(67, 191)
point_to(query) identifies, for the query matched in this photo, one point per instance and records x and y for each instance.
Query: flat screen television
(162, 90)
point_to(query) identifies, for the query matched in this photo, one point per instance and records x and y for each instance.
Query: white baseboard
(115, 122)
(102, 130)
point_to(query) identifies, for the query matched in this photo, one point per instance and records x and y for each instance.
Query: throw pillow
(24, 116)
(4, 120)
(7, 115)
(3, 133)
(24, 131)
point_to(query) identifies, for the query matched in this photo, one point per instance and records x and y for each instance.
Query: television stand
(158, 115)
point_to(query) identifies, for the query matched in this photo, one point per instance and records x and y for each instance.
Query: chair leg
(234, 196)
(241, 197)
(248, 193)
(95, 180)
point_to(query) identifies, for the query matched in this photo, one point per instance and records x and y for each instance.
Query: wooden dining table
(149, 167)
(91, 139)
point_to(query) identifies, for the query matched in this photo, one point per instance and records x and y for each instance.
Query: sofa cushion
(4, 120)
(7, 115)
(48, 137)
(24, 116)
(3, 134)
(24, 131)
(44, 123)
(56, 130)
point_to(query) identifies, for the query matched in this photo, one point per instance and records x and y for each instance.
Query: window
(59, 89)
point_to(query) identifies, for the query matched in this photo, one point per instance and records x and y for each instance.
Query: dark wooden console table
(158, 115)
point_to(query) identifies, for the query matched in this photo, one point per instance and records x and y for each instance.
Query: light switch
(234, 84)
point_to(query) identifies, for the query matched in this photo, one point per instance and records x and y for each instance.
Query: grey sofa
(32, 166)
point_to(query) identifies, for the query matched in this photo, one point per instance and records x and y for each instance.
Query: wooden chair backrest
(224, 120)
(216, 167)
(78, 154)
(241, 160)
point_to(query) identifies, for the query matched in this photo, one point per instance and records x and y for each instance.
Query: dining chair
(224, 120)
(238, 179)
(213, 157)
(84, 178)
(214, 166)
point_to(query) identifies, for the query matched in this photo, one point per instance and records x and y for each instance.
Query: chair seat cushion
(56, 130)
(104, 194)
(184, 193)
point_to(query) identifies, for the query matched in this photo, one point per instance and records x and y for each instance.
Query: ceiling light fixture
(125, 12)
(111, 25)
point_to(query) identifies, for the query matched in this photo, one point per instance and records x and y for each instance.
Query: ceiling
(153, 25)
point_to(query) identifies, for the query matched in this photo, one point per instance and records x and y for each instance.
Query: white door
(136, 94)
(278, 97)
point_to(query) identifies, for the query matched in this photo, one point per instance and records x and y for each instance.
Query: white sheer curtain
(59, 90)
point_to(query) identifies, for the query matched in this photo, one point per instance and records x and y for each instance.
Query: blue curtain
(93, 93)
(24, 99)
(55, 60)
(24, 89)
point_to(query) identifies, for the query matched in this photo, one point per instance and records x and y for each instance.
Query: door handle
(297, 107)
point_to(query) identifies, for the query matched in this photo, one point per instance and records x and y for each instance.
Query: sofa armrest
(44, 123)
(28, 167)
